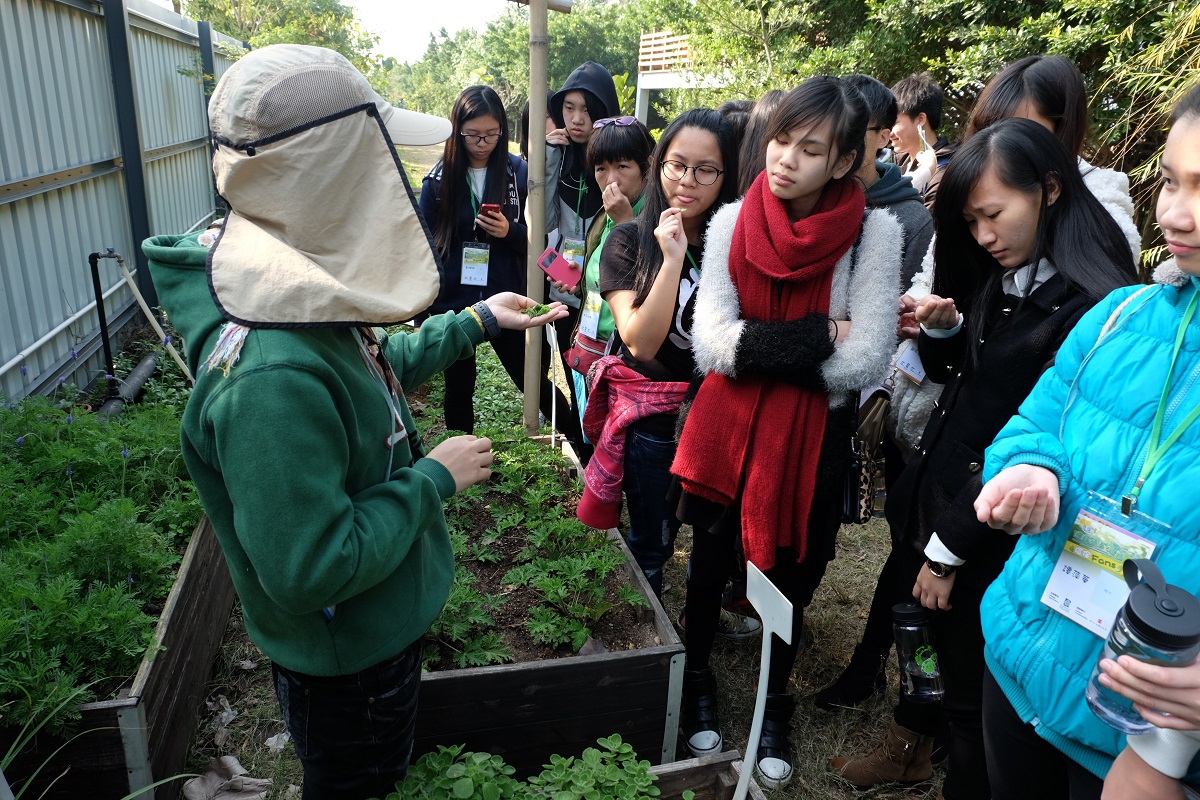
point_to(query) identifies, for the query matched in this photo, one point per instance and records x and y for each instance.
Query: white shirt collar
(1024, 281)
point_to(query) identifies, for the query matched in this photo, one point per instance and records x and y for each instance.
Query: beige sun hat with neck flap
(323, 229)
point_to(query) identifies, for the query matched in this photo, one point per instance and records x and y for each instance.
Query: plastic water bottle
(1159, 624)
(920, 673)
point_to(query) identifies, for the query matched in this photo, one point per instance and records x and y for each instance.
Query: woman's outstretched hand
(1021, 499)
(509, 308)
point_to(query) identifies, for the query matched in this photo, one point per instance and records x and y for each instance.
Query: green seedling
(537, 310)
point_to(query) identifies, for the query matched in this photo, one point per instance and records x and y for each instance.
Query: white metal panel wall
(180, 189)
(50, 236)
(61, 192)
(56, 114)
(173, 118)
(56, 96)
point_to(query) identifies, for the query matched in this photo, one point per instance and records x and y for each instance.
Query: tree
(325, 23)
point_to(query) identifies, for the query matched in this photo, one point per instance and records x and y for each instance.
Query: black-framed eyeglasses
(875, 129)
(677, 171)
(621, 122)
(480, 138)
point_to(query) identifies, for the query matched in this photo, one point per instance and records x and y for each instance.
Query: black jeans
(712, 561)
(353, 733)
(1023, 765)
(459, 404)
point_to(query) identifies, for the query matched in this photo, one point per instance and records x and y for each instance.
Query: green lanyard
(689, 255)
(579, 205)
(471, 189)
(1156, 450)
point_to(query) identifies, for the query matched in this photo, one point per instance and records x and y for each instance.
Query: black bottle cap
(1163, 616)
(910, 613)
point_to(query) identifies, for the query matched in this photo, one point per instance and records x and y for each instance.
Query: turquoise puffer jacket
(1041, 659)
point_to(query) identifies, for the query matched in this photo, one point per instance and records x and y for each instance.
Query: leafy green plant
(94, 513)
(462, 627)
(610, 772)
(450, 773)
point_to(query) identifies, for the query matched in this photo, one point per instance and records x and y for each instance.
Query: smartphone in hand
(490, 208)
(559, 269)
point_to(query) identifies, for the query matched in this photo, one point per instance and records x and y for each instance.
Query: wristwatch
(939, 570)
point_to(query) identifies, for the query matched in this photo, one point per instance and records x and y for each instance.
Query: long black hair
(475, 101)
(1075, 234)
(752, 152)
(1052, 84)
(649, 255)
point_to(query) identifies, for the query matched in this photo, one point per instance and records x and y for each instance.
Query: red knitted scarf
(756, 435)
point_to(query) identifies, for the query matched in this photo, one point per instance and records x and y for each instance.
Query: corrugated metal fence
(69, 157)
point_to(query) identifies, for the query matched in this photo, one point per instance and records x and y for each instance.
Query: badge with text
(475, 264)
(589, 320)
(573, 250)
(908, 362)
(1088, 585)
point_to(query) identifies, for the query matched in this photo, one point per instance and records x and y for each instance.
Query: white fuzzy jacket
(865, 287)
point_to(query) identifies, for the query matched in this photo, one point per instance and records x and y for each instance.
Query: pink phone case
(559, 269)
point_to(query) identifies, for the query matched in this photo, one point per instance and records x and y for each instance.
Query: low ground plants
(94, 515)
(610, 772)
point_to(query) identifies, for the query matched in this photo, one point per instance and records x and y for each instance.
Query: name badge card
(589, 320)
(1088, 585)
(908, 362)
(574, 250)
(475, 264)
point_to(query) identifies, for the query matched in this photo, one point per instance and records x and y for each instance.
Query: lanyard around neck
(471, 189)
(1157, 450)
(579, 205)
(689, 257)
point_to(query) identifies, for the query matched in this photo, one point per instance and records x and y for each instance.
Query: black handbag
(865, 492)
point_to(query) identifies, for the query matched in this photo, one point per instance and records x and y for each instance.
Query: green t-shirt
(591, 276)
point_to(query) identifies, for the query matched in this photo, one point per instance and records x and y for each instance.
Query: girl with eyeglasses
(794, 317)
(649, 269)
(482, 250)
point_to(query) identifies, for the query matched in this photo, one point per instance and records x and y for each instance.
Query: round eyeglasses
(480, 138)
(677, 171)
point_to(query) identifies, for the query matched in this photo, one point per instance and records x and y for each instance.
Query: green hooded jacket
(340, 560)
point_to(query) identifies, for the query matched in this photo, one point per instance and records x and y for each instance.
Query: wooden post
(536, 283)
(536, 207)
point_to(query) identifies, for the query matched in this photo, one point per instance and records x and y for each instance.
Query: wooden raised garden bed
(143, 736)
(712, 778)
(526, 712)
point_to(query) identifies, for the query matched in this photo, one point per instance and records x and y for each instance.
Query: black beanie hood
(596, 83)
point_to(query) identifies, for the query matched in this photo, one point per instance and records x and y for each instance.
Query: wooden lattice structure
(662, 51)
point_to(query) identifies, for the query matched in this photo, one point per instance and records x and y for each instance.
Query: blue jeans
(652, 525)
(353, 733)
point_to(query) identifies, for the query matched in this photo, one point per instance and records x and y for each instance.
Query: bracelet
(478, 319)
(491, 327)
(836, 330)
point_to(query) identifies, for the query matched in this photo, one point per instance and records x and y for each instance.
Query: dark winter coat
(506, 261)
(937, 490)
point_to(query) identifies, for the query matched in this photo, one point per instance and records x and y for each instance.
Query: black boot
(861, 678)
(700, 725)
(773, 766)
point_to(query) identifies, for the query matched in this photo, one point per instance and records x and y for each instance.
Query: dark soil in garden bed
(622, 628)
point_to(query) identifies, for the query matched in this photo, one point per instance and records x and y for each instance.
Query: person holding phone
(473, 202)
(921, 152)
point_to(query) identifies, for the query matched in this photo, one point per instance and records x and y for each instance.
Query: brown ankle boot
(903, 757)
